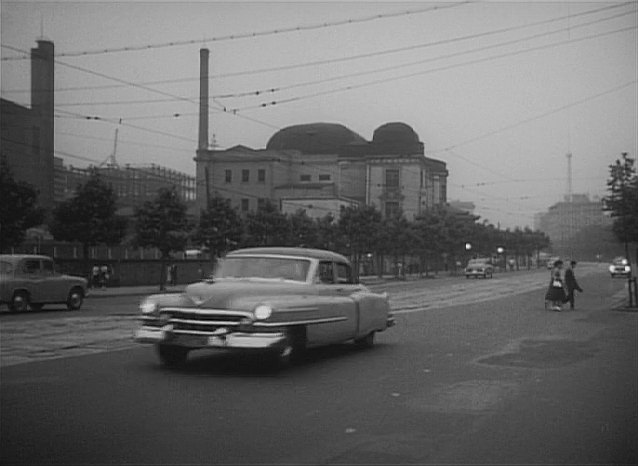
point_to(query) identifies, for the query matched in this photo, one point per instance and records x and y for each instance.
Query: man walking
(571, 284)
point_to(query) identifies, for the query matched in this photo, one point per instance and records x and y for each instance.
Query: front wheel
(19, 302)
(75, 299)
(366, 342)
(172, 356)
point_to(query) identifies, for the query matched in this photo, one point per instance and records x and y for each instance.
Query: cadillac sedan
(274, 300)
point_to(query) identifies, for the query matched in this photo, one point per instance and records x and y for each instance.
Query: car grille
(198, 321)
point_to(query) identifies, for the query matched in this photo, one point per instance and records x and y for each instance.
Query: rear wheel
(172, 356)
(19, 302)
(75, 299)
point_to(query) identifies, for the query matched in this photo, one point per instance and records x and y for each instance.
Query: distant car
(619, 267)
(479, 268)
(277, 301)
(31, 281)
(551, 261)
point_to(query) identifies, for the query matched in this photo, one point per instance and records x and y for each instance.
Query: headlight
(611, 268)
(627, 268)
(149, 306)
(262, 312)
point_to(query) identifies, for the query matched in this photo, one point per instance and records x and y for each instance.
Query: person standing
(571, 285)
(556, 291)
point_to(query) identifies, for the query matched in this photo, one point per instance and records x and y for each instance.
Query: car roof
(14, 258)
(288, 251)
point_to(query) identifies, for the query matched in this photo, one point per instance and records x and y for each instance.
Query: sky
(500, 91)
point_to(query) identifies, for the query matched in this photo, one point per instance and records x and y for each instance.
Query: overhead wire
(309, 27)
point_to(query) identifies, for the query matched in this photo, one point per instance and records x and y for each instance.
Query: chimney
(203, 99)
(42, 107)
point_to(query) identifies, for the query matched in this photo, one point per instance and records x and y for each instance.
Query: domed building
(321, 167)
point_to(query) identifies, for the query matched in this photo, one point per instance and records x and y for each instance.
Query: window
(261, 203)
(324, 177)
(392, 209)
(305, 177)
(245, 176)
(344, 273)
(245, 205)
(325, 272)
(261, 175)
(228, 176)
(47, 267)
(31, 266)
(392, 178)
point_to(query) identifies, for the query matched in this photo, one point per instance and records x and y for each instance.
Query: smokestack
(203, 99)
(42, 106)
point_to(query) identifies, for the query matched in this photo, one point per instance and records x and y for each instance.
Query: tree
(360, 227)
(162, 224)
(266, 227)
(622, 201)
(89, 216)
(220, 227)
(303, 230)
(18, 209)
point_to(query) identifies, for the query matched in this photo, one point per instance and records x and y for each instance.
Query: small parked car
(619, 267)
(479, 268)
(31, 281)
(277, 301)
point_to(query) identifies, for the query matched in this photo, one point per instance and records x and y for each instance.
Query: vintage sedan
(479, 268)
(31, 281)
(620, 267)
(274, 300)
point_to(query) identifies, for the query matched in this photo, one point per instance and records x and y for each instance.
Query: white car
(620, 267)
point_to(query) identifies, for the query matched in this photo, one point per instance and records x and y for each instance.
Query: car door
(52, 285)
(30, 278)
(330, 294)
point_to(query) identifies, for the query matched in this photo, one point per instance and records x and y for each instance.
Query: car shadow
(205, 363)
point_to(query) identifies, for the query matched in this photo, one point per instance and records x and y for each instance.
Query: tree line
(437, 237)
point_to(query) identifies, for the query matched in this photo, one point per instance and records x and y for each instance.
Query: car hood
(238, 294)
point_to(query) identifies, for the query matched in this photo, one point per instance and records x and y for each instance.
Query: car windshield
(477, 262)
(266, 268)
(620, 261)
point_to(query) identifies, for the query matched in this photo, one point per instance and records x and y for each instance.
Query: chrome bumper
(218, 339)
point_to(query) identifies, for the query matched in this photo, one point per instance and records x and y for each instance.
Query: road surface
(476, 371)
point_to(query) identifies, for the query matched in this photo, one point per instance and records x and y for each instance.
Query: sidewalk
(95, 293)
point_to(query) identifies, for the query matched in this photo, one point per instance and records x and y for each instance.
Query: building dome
(395, 134)
(314, 138)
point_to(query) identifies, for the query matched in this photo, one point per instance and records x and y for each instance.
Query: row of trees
(435, 238)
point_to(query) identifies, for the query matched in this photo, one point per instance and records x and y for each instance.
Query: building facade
(133, 185)
(565, 219)
(322, 167)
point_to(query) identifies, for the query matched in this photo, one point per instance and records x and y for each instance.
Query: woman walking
(556, 290)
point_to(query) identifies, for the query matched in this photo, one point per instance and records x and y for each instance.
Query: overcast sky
(500, 91)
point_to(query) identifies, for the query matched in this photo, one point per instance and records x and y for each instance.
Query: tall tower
(203, 100)
(42, 106)
(569, 177)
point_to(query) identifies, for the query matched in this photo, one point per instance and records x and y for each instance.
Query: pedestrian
(174, 274)
(104, 275)
(169, 278)
(571, 285)
(95, 276)
(556, 291)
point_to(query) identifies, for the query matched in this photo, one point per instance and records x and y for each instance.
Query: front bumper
(222, 338)
(475, 273)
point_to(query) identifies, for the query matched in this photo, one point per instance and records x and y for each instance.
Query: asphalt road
(466, 376)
